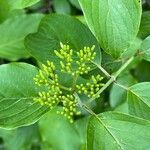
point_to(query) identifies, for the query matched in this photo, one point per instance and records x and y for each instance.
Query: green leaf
(17, 91)
(131, 51)
(81, 127)
(117, 131)
(75, 3)
(20, 4)
(10, 7)
(123, 108)
(145, 49)
(12, 34)
(118, 94)
(81, 18)
(4, 9)
(56, 129)
(144, 30)
(115, 23)
(139, 100)
(54, 29)
(62, 7)
(20, 139)
(6, 12)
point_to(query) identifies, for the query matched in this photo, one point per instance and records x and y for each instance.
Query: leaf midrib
(139, 98)
(18, 100)
(101, 122)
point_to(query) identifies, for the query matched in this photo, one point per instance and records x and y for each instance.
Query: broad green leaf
(12, 34)
(20, 4)
(145, 49)
(115, 23)
(82, 19)
(54, 29)
(36, 6)
(81, 127)
(4, 9)
(123, 108)
(62, 7)
(17, 91)
(75, 3)
(6, 12)
(57, 133)
(131, 51)
(20, 139)
(116, 131)
(144, 30)
(139, 100)
(118, 94)
(10, 7)
(15, 13)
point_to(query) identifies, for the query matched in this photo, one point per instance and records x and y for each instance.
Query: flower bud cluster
(53, 96)
(40, 79)
(47, 77)
(69, 107)
(65, 54)
(55, 93)
(47, 72)
(47, 98)
(85, 55)
(90, 88)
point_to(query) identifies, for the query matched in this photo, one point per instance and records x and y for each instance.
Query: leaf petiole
(113, 78)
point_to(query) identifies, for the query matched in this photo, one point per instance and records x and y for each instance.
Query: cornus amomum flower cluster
(57, 94)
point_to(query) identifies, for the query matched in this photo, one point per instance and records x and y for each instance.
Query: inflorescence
(55, 93)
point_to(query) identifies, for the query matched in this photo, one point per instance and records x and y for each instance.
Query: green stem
(82, 105)
(75, 77)
(64, 88)
(102, 69)
(123, 67)
(90, 111)
(113, 78)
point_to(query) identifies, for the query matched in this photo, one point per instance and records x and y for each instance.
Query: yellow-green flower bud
(54, 93)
